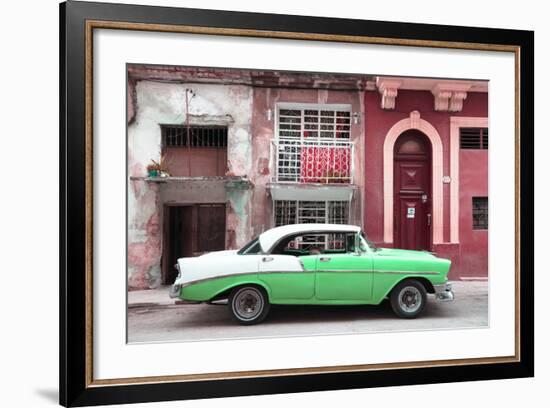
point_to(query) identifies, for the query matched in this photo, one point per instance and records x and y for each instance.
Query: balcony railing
(313, 161)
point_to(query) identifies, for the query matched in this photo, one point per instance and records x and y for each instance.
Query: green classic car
(312, 264)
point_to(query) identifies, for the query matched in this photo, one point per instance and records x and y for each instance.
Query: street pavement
(154, 317)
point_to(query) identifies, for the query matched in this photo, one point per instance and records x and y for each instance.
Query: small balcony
(312, 161)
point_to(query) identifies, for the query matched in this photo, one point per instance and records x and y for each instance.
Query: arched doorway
(412, 182)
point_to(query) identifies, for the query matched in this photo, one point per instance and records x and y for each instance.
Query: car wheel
(248, 304)
(408, 299)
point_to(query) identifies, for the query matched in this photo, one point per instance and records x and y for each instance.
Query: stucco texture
(158, 103)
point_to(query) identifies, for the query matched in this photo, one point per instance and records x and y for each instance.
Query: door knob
(267, 258)
(324, 259)
(429, 219)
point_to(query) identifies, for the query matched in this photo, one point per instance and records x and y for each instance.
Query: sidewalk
(159, 296)
(150, 297)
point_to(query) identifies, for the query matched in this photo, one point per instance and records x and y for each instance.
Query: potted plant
(153, 169)
(163, 166)
(158, 168)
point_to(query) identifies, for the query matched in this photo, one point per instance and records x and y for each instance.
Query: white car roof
(270, 237)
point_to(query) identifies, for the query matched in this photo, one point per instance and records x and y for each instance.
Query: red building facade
(459, 176)
(405, 158)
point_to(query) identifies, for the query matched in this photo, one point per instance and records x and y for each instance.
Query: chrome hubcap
(410, 299)
(248, 303)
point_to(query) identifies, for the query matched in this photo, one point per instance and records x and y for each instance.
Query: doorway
(190, 230)
(412, 191)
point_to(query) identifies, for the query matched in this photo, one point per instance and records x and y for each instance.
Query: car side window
(317, 243)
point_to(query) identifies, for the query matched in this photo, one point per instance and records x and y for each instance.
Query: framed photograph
(257, 204)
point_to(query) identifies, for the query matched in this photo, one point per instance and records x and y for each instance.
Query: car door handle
(324, 259)
(267, 258)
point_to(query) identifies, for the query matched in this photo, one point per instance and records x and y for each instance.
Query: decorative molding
(388, 91)
(449, 96)
(414, 117)
(457, 100)
(441, 100)
(414, 122)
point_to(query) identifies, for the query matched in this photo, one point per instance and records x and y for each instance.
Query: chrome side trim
(380, 271)
(183, 285)
(407, 272)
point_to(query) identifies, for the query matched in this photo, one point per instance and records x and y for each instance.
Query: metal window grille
(198, 136)
(304, 212)
(323, 123)
(474, 138)
(480, 212)
(314, 146)
(313, 212)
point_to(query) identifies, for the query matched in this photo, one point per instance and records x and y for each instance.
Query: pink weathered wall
(377, 124)
(241, 101)
(473, 183)
(263, 131)
(151, 104)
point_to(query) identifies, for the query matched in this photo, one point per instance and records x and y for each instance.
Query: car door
(288, 277)
(344, 277)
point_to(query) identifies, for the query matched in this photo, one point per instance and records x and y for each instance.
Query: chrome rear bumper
(444, 292)
(175, 291)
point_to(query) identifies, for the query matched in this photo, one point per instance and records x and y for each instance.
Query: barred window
(311, 212)
(474, 138)
(314, 144)
(325, 123)
(194, 151)
(198, 136)
(480, 213)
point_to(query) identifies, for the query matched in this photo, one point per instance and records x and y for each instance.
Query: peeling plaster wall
(243, 108)
(157, 103)
(264, 131)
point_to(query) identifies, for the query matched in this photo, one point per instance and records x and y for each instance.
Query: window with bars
(325, 123)
(194, 136)
(474, 138)
(314, 144)
(480, 213)
(194, 151)
(314, 212)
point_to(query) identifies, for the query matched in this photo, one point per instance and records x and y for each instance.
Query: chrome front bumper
(444, 292)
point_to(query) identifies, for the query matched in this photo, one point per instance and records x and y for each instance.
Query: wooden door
(412, 191)
(191, 230)
(178, 239)
(211, 228)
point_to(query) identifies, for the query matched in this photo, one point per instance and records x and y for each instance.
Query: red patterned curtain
(325, 165)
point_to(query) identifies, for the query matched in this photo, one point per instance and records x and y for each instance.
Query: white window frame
(310, 106)
(301, 141)
(327, 209)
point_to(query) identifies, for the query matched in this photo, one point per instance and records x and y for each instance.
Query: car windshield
(253, 247)
(369, 242)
